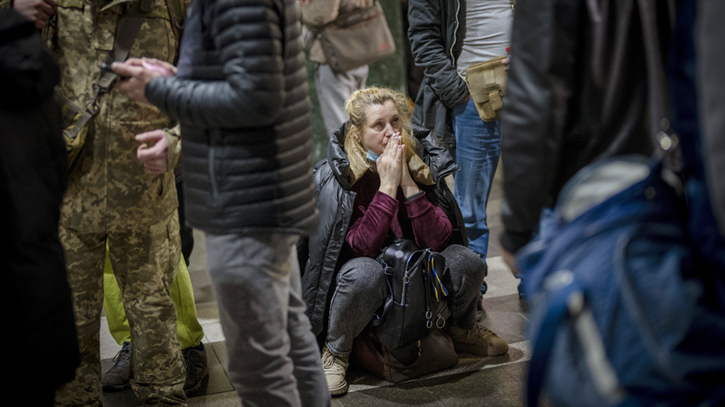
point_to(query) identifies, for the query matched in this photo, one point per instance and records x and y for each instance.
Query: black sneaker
(117, 377)
(196, 368)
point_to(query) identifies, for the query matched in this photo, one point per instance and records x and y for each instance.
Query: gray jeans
(274, 359)
(361, 290)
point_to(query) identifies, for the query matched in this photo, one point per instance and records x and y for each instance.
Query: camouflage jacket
(108, 187)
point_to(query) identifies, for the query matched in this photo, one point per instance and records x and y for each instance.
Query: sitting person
(372, 191)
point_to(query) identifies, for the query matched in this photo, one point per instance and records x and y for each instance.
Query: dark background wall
(388, 72)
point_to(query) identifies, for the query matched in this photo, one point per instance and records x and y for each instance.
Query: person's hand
(506, 61)
(37, 11)
(407, 183)
(361, 3)
(133, 78)
(154, 159)
(163, 67)
(388, 165)
(510, 260)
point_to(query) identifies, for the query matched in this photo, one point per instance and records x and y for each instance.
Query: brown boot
(478, 340)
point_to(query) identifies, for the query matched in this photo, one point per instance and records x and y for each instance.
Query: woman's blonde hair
(356, 108)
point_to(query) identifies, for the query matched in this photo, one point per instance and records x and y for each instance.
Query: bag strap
(128, 30)
(570, 303)
(178, 18)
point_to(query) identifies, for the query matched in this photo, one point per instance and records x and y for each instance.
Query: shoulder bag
(354, 39)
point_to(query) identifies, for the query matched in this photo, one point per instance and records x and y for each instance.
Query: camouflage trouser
(145, 262)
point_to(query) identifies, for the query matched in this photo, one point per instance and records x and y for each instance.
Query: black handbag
(417, 297)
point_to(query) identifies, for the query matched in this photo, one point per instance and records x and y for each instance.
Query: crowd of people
(293, 247)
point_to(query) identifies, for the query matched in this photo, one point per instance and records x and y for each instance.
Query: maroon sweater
(377, 219)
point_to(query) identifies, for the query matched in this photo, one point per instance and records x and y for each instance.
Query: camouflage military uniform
(110, 197)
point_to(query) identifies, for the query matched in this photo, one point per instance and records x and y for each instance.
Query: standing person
(448, 36)
(566, 108)
(333, 88)
(241, 97)
(32, 182)
(112, 199)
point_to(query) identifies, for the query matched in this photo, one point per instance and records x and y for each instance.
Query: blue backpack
(619, 313)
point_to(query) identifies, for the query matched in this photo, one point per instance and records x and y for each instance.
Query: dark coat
(321, 256)
(571, 99)
(436, 32)
(241, 97)
(32, 182)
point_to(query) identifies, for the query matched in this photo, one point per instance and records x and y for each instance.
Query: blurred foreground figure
(604, 175)
(240, 94)
(32, 181)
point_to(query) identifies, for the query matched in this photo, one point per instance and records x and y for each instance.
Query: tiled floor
(475, 381)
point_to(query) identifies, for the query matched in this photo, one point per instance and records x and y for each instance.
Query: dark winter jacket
(576, 94)
(322, 255)
(436, 39)
(241, 97)
(32, 182)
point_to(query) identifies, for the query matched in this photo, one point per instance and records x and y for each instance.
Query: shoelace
(328, 362)
(125, 350)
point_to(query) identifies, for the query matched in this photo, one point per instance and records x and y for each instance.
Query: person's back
(577, 92)
(32, 182)
(241, 98)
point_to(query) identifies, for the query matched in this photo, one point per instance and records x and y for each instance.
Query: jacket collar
(430, 150)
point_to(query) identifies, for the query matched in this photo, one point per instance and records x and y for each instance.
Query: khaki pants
(145, 262)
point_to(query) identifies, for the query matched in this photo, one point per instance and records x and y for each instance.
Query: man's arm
(428, 46)
(252, 92)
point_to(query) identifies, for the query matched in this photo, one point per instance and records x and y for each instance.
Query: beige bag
(487, 85)
(357, 38)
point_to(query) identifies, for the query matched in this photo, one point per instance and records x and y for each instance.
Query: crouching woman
(378, 184)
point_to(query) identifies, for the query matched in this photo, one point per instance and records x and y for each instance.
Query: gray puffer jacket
(241, 97)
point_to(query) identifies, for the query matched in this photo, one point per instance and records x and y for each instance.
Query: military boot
(196, 368)
(117, 377)
(478, 340)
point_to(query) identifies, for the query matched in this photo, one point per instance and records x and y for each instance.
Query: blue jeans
(274, 359)
(478, 146)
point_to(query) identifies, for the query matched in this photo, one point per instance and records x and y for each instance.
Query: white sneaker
(335, 369)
